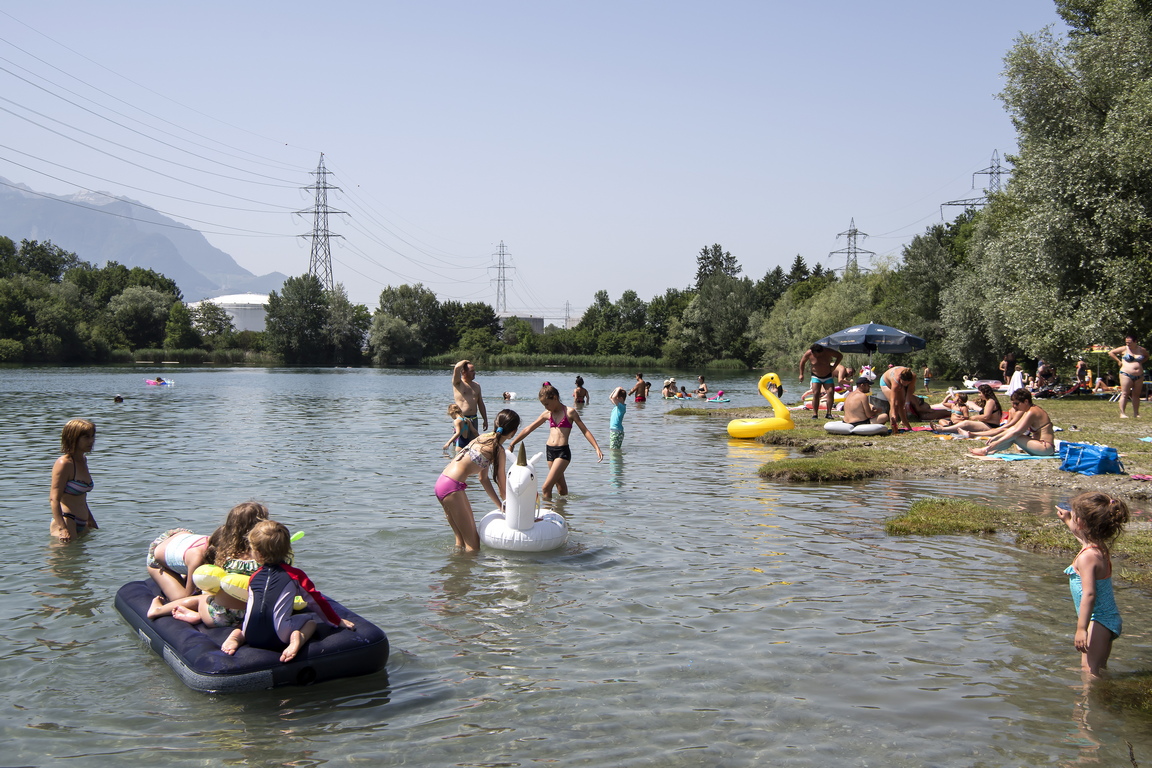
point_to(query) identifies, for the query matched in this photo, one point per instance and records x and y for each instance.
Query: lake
(698, 616)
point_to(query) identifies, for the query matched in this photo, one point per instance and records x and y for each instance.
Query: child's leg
(458, 510)
(297, 640)
(555, 479)
(159, 608)
(179, 609)
(1099, 648)
(234, 641)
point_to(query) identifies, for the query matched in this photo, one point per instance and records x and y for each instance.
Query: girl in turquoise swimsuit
(1095, 519)
(71, 482)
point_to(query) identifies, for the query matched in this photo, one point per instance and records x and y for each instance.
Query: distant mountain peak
(149, 239)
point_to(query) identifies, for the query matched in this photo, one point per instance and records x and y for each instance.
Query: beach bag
(1088, 459)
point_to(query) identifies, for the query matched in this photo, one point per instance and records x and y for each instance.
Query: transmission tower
(994, 171)
(852, 252)
(501, 279)
(321, 262)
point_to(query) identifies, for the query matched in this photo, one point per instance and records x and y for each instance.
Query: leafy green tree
(421, 310)
(795, 323)
(35, 258)
(296, 320)
(715, 323)
(715, 261)
(141, 315)
(1067, 248)
(664, 310)
(770, 288)
(632, 313)
(178, 331)
(213, 324)
(601, 316)
(347, 327)
(518, 335)
(474, 315)
(392, 341)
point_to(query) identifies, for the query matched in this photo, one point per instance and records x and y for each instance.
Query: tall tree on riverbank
(296, 319)
(1064, 257)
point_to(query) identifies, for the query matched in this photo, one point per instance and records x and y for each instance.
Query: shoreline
(828, 458)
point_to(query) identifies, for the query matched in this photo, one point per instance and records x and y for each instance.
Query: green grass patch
(937, 517)
(838, 465)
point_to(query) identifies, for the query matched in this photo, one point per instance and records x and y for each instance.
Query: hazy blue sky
(604, 143)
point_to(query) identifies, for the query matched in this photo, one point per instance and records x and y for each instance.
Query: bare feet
(156, 609)
(231, 644)
(181, 613)
(979, 451)
(963, 432)
(294, 644)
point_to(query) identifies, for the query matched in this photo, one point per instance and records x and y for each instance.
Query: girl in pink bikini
(560, 419)
(485, 451)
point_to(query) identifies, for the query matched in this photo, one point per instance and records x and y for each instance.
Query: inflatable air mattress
(193, 651)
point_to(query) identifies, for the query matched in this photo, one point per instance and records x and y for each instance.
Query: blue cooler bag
(1088, 459)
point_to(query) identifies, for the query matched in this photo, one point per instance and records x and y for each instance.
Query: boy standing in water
(640, 388)
(616, 423)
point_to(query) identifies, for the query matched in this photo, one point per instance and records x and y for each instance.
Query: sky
(603, 143)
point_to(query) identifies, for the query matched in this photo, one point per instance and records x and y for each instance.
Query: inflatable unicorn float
(518, 526)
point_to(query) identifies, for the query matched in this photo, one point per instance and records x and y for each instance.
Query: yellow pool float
(782, 418)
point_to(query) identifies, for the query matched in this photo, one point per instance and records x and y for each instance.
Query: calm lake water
(699, 616)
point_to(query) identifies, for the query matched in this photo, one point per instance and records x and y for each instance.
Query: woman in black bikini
(71, 482)
(580, 395)
(560, 420)
(1131, 374)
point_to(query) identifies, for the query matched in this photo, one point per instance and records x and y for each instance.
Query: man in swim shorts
(640, 388)
(466, 394)
(858, 408)
(824, 362)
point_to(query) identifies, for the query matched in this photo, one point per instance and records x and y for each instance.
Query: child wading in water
(616, 423)
(1095, 519)
(560, 419)
(269, 621)
(463, 434)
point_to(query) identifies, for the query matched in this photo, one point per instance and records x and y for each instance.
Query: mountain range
(100, 228)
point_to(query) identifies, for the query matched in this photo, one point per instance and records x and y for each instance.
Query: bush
(11, 351)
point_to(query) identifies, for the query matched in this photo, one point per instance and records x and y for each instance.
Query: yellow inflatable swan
(782, 418)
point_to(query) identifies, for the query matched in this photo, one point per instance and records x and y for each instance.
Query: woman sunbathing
(1031, 429)
(988, 419)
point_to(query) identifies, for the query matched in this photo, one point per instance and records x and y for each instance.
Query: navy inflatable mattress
(194, 651)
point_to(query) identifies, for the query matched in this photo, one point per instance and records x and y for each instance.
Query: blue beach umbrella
(872, 337)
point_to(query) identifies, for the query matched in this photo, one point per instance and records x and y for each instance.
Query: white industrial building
(247, 310)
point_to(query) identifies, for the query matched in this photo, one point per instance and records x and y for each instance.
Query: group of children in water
(476, 455)
(250, 543)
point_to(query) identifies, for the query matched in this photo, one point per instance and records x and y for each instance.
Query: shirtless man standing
(640, 389)
(466, 394)
(824, 361)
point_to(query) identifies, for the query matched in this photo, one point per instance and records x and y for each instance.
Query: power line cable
(249, 233)
(283, 208)
(150, 90)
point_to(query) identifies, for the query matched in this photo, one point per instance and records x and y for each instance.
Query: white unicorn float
(518, 526)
